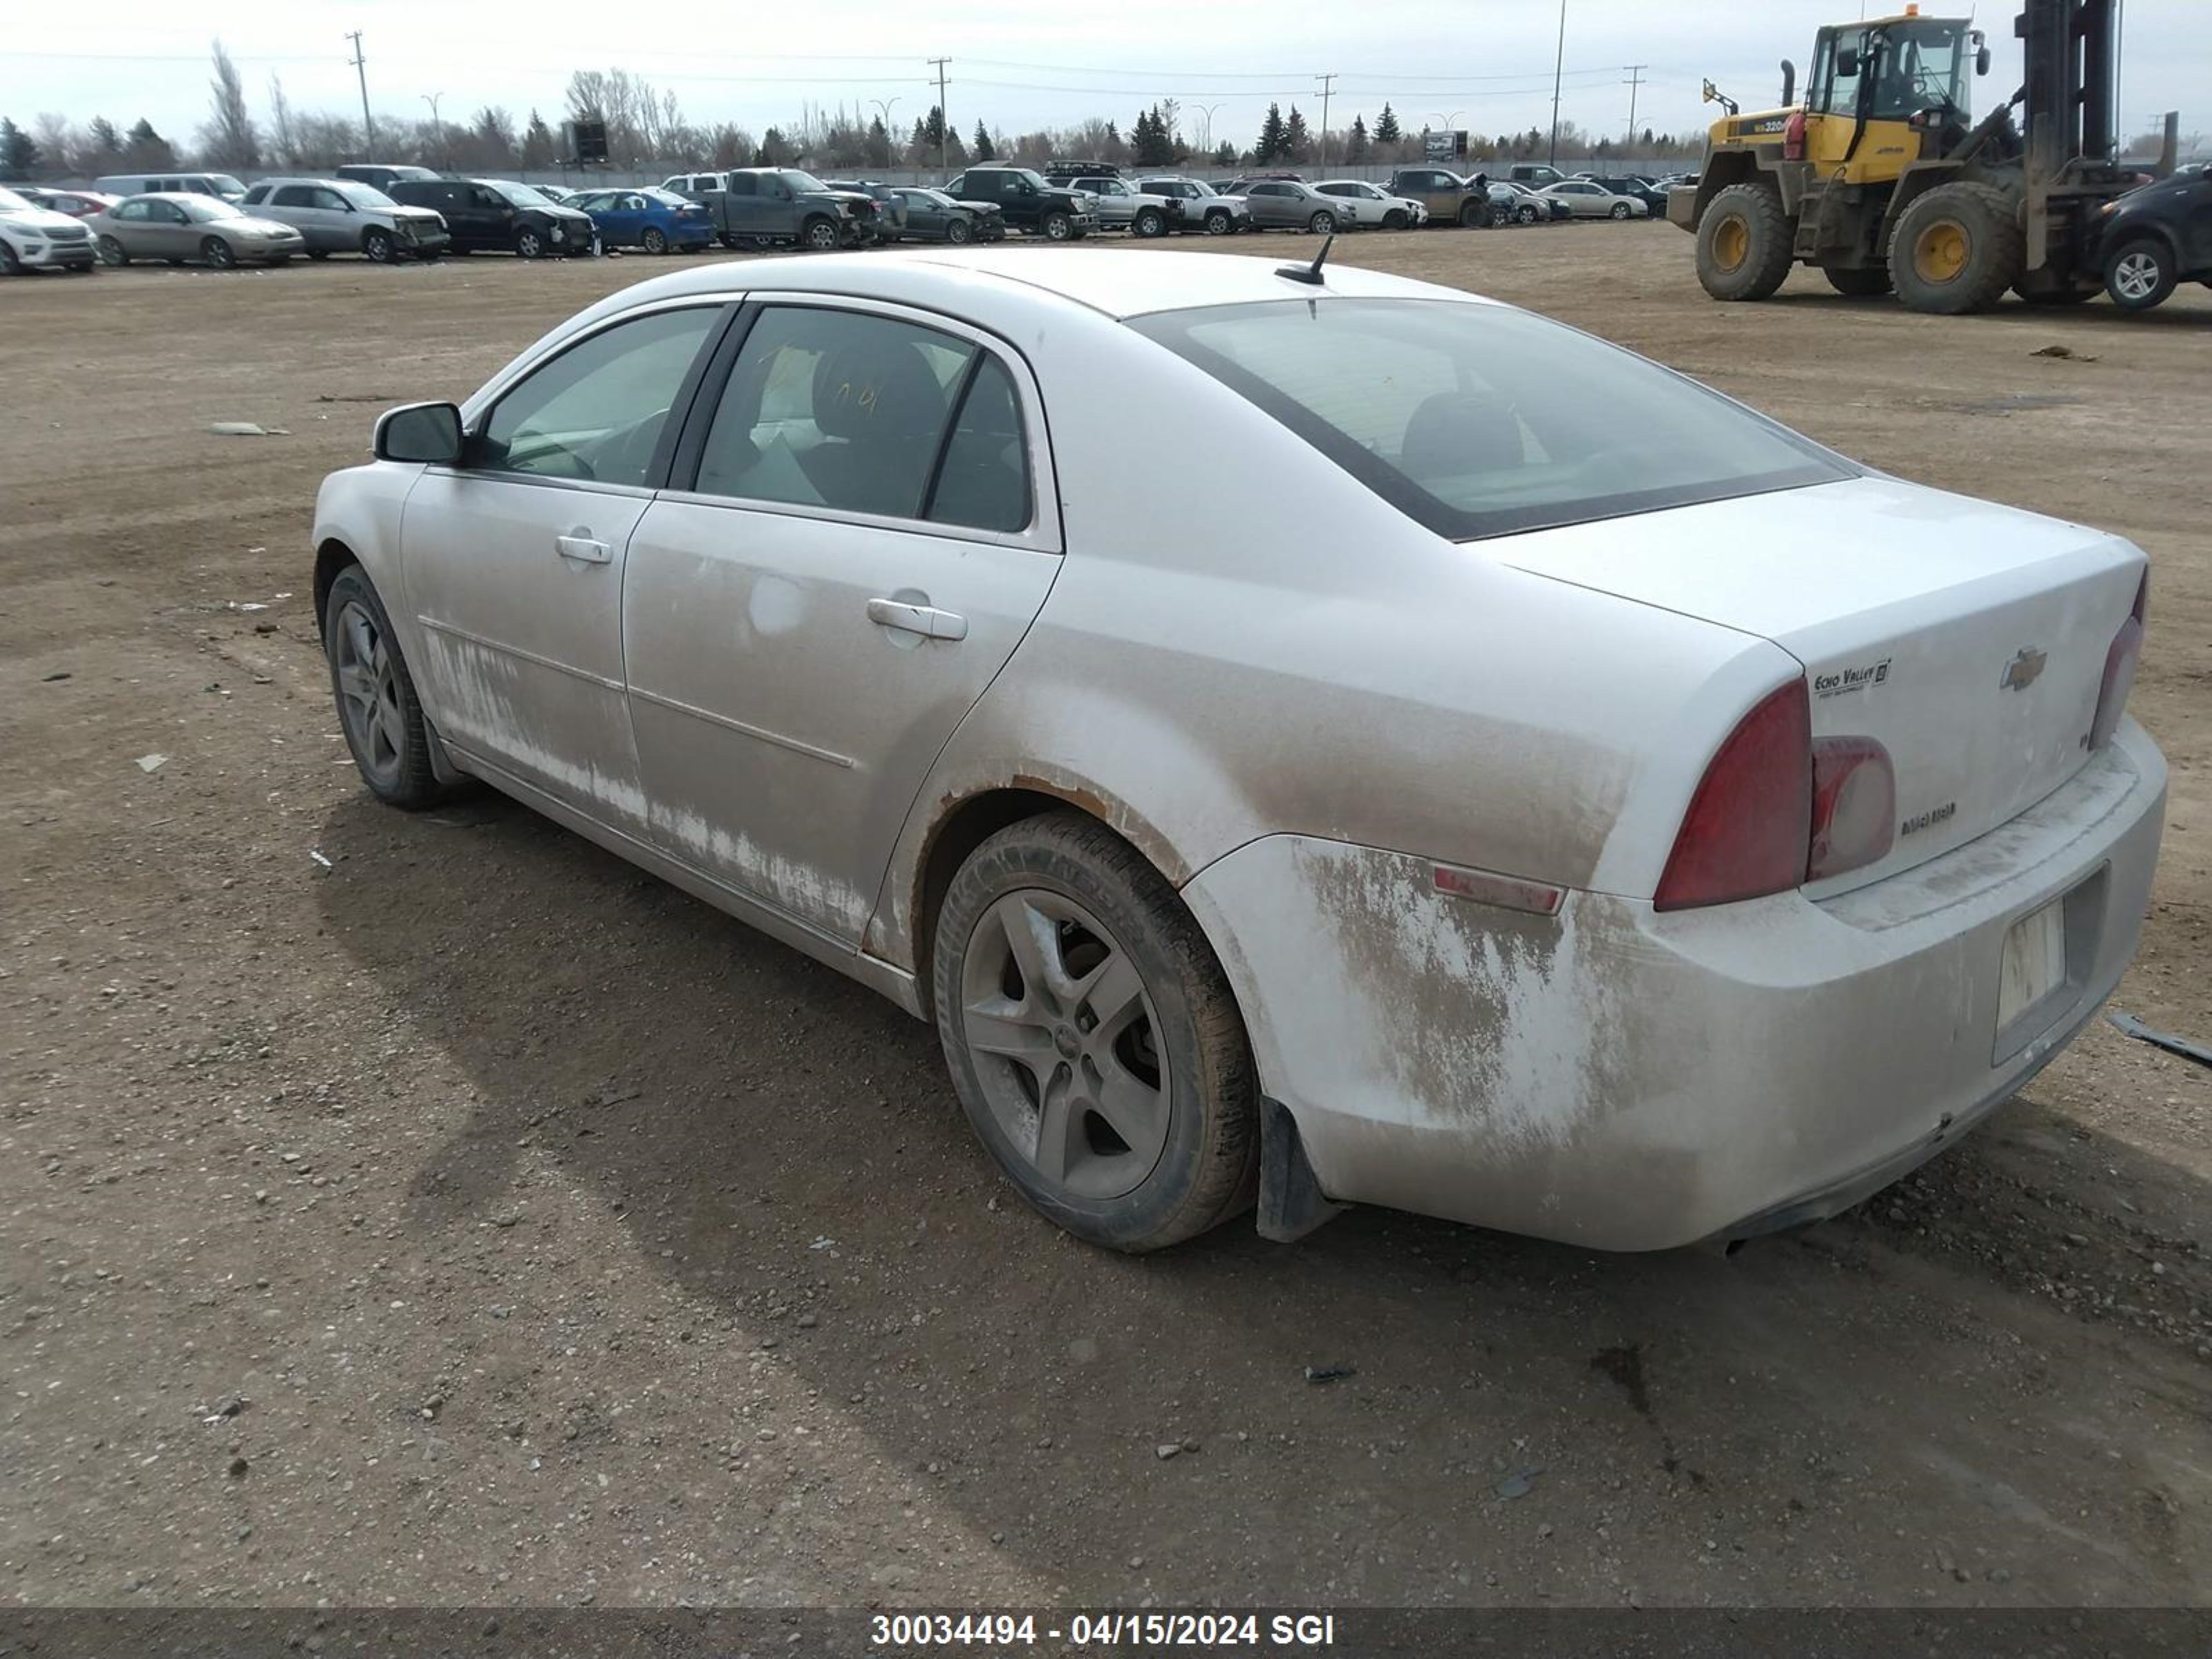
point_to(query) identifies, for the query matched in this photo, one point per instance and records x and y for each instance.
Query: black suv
(497, 217)
(2154, 238)
(1029, 204)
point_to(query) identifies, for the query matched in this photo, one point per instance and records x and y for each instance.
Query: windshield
(365, 196)
(1921, 65)
(666, 197)
(1480, 420)
(11, 203)
(519, 195)
(225, 183)
(799, 181)
(206, 207)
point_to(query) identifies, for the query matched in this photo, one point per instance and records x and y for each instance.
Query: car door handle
(925, 620)
(583, 549)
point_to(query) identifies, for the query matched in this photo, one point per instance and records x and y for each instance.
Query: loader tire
(1957, 249)
(1743, 244)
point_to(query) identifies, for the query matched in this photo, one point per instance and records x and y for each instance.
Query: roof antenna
(1309, 274)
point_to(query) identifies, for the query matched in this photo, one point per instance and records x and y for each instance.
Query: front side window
(866, 414)
(595, 412)
(1480, 420)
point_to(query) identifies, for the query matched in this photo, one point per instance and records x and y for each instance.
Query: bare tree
(283, 143)
(229, 140)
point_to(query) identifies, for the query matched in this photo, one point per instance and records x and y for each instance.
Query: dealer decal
(1837, 682)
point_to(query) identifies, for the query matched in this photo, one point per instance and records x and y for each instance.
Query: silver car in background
(343, 215)
(1372, 208)
(188, 230)
(1587, 200)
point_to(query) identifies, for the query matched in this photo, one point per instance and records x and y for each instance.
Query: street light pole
(1207, 110)
(1559, 61)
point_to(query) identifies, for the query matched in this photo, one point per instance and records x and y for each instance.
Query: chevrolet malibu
(1580, 806)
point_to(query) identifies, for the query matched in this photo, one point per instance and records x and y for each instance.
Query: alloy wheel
(368, 692)
(218, 253)
(2136, 276)
(1064, 1037)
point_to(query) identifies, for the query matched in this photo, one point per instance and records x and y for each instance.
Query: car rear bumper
(1626, 1080)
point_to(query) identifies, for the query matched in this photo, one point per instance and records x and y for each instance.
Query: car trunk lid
(1969, 639)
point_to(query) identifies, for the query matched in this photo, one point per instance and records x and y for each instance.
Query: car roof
(1120, 284)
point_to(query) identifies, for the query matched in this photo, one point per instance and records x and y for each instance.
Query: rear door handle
(925, 620)
(582, 548)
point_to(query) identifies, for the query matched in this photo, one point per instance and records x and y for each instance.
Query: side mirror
(1847, 60)
(428, 434)
(1982, 61)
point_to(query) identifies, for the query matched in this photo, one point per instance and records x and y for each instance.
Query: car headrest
(860, 391)
(1454, 432)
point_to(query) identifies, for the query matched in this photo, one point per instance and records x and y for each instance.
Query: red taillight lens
(2120, 658)
(1793, 136)
(1854, 807)
(1749, 822)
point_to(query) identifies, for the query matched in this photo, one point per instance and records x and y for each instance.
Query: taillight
(1793, 136)
(2120, 658)
(1776, 810)
(1854, 807)
(1749, 822)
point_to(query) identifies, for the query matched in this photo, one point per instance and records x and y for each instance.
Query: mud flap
(441, 763)
(1291, 1202)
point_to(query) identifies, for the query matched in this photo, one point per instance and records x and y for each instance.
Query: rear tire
(1743, 244)
(10, 264)
(1957, 249)
(318, 254)
(378, 709)
(1859, 281)
(1093, 1037)
(111, 253)
(2141, 275)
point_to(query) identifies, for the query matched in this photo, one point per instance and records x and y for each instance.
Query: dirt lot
(476, 1219)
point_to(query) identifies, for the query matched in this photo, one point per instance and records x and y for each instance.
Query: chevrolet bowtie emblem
(2023, 670)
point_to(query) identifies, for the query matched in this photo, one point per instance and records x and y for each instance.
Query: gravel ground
(473, 1218)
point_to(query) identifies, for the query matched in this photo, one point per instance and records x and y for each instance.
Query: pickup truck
(759, 207)
(1118, 204)
(1029, 205)
(1450, 199)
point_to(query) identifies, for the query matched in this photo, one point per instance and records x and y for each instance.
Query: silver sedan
(1504, 814)
(202, 229)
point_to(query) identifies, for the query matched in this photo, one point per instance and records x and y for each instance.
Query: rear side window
(1480, 420)
(866, 414)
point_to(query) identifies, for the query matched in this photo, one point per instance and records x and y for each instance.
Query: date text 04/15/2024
(897, 1631)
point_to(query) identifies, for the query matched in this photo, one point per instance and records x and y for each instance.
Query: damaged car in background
(1524, 820)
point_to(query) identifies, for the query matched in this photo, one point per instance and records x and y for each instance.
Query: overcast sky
(1482, 64)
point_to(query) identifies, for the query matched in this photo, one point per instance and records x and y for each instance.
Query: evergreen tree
(539, 150)
(1155, 144)
(879, 143)
(1356, 145)
(1225, 154)
(1273, 137)
(18, 154)
(1386, 127)
(146, 151)
(985, 149)
(1295, 139)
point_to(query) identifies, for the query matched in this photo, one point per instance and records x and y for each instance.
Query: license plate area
(2043, 963)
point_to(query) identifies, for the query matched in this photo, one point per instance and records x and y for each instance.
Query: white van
(218, 184)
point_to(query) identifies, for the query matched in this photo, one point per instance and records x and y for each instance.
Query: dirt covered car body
(1484, 828)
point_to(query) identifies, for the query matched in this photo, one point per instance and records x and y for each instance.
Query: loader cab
(1883, 95)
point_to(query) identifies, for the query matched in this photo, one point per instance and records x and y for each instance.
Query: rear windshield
(1480, 420)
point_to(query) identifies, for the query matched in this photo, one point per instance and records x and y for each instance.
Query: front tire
(1622, 211)
(1150, 223)
(529, 245)
(218, 253)
(378, 709)
(1527, 215)
(956, 231)
(654, 240)
(2141, 275)
(1743, 244)
(1092, 1038)
(820, 234)
(1957, 249)
(1394, 219)
(377, 245)
(1219, 223)
(1321, 224)
(1057, 228)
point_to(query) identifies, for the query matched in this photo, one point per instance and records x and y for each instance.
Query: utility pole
(437, 126)
(361, 67)
(943, 115)
(1635, 84)
(1327, 84)
(1559, 61)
